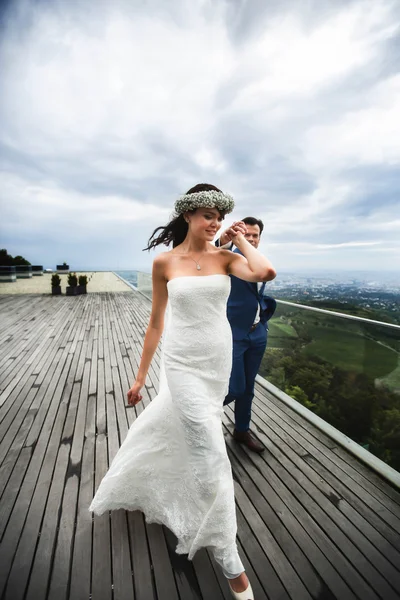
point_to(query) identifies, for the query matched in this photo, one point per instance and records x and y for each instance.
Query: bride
(173, 464)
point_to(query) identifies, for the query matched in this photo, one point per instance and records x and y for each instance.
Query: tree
(314, 379)
(384, 438)
(348, 400)
(298, 394)
(20, 260)
(6, 260)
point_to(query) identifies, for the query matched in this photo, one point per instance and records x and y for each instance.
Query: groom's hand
(229, 234)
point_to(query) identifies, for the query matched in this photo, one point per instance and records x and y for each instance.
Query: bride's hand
(134, 395)
(230, 234)
(238, 235)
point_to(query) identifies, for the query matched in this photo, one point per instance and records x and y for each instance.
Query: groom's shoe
(246, 438)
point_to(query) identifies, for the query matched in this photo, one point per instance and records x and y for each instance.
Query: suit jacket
(242, 306)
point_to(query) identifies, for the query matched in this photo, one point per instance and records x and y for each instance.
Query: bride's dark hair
(176, 230)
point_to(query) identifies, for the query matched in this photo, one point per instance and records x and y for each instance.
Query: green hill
(350, 345)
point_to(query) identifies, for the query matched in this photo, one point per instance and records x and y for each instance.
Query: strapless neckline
(197, 276)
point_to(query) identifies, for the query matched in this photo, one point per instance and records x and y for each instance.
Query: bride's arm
(252, 266)
(154, 329)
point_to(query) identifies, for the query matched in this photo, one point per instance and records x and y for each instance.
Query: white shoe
(246, 595)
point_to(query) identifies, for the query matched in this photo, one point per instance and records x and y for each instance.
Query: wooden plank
(21, 462)
(206, 577)
(43, 558)
(39, 380)
(20, 398)
(82, 459)
(121, 557)
(22, 338)
(112, 429)
(38, 409)
(303, 429)
(258, 589)
(60, 576)
(291, 496)
(264, 494)
(372, 476)
(40, 574)
(59, 583)
(288, 542)
(143, 573)
(37, 357)
(380, 488)
(14, 449)
(140, 558)
(18, 443)
(35, 485)
(367, 510)
(283, 568)
(185, 577)
(117, 430)
(30, 367)
(12, 334)
(259, 560)
(163, 574)
(43, 472)
(378, 550)
(14, 307)
(323, 510)
(101, 560)
(286, 499)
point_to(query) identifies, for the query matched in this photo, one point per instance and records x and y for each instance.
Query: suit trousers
(246, 360)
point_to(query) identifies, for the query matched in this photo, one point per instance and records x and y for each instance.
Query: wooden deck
(312, 521)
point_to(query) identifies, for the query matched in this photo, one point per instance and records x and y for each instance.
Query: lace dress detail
(173, 465)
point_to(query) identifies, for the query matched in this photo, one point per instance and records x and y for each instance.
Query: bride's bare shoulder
(162, 261)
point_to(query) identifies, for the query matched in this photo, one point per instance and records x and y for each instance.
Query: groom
(248, 313)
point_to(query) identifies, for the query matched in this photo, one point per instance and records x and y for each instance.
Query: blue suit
(248, 346)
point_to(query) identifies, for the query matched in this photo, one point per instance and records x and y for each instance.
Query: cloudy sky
(110, 110)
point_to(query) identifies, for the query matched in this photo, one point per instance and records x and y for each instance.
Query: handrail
(338, 314)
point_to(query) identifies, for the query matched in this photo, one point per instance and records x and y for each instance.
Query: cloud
(107, 115)
(313, 247)
(368, 136)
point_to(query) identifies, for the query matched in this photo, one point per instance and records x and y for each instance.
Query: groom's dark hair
(254, 221)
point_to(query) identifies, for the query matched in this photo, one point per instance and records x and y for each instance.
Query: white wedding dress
(173, 465)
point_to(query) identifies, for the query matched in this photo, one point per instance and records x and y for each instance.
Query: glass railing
(345, 369)
(139, 280)
(144, 284)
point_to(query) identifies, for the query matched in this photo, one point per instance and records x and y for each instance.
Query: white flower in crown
(209, 199)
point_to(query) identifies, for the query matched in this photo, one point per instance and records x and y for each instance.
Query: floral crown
(208, 199)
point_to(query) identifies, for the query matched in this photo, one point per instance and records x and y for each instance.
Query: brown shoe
(245, 437)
